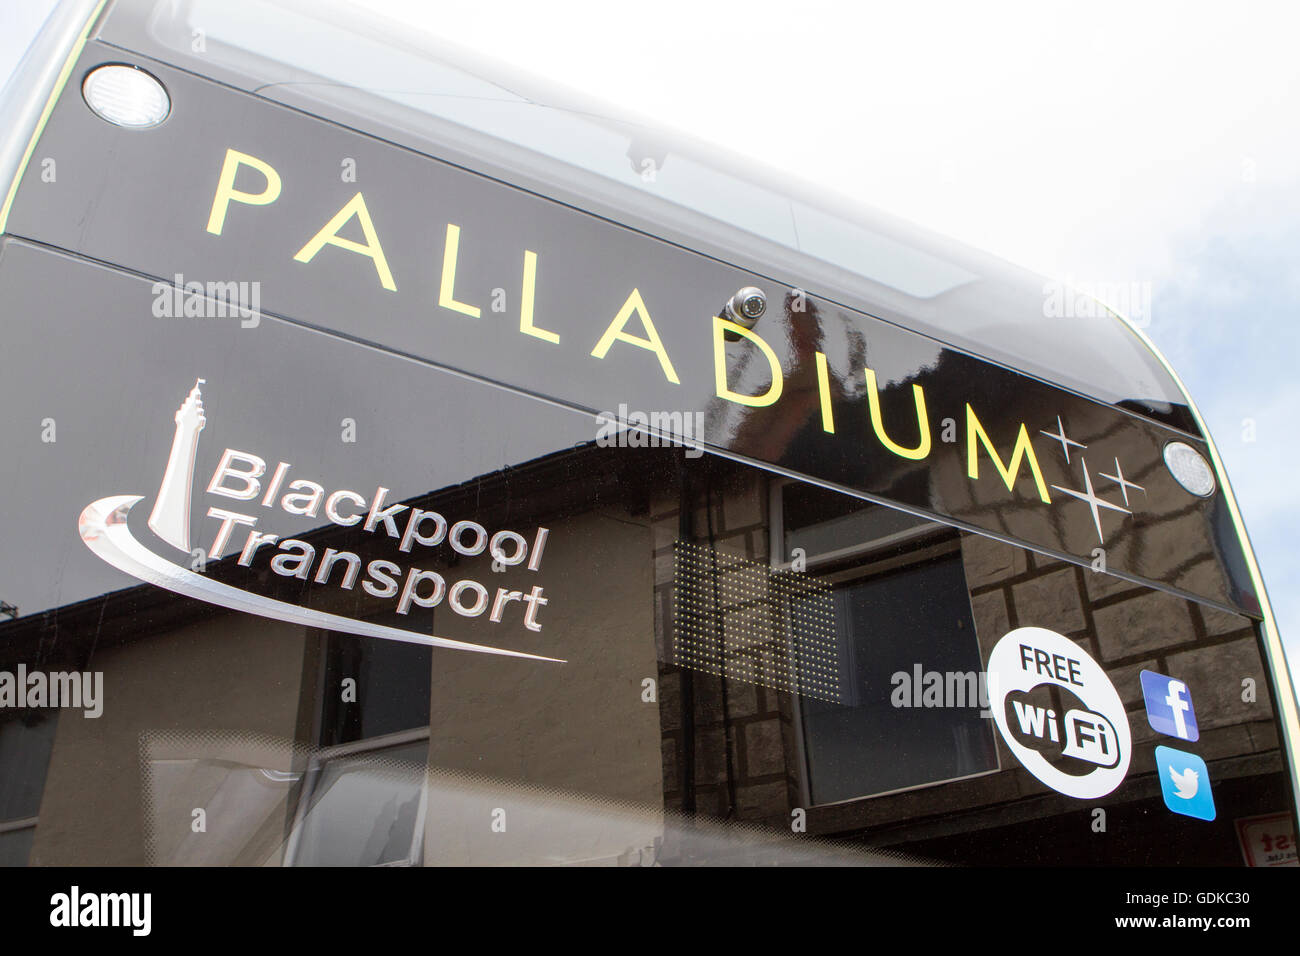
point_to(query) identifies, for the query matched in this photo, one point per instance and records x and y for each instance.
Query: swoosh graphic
(103, 528)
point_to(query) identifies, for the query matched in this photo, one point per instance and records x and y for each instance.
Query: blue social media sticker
(1185, 783)
(1169, 706)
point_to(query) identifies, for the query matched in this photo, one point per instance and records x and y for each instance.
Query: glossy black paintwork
(572, 147)
(473, 418)
(80, 353)
(141, 200)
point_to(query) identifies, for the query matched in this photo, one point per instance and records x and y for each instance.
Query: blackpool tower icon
(170, 518)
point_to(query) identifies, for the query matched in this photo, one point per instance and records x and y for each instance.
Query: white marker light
(1189, 469)
(126, 96)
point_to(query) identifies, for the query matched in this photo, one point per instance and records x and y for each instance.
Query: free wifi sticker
(1059, 713)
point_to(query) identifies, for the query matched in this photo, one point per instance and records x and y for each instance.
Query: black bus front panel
(405, 616)
(367, 507)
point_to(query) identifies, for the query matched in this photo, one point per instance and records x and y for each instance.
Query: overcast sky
(1098, 142)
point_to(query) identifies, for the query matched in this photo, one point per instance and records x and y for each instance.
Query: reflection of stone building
(230, 713)
(750, 763)
(620, 755)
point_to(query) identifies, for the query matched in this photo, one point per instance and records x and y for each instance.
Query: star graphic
(1059, 435)
(1124, 483)
(1091, 498)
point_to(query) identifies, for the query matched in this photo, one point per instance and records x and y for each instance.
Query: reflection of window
(25, 746)
(909, 663)
(363, 804)
(391, 689)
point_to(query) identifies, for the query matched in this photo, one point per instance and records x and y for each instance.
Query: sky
(1099, 143)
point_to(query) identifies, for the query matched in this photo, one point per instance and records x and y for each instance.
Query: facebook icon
(1169, 706)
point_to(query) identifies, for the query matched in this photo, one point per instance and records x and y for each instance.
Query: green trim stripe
(1285, 698)
(53, 98)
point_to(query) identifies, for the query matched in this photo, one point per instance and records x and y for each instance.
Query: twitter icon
(1185, 783)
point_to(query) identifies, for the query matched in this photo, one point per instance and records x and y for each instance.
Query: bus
(408, 462)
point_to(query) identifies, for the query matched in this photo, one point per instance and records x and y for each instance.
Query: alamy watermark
(1073, 299)
(76, 908)
(633, 429)
(208, 300)
(922, 688)
(76, 690)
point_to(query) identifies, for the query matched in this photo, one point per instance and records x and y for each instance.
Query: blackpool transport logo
(104, 527)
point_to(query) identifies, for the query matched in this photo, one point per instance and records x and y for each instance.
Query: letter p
(413, 535)
(410, 591)
(226, 191)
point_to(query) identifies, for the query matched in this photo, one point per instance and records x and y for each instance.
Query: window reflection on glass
(391, 690)
(904, 624)
(25, 745)
(26, 741)
(16, 845)
(889, 735)
(364, 808)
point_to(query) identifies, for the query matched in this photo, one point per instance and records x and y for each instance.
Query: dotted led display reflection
(742, 620)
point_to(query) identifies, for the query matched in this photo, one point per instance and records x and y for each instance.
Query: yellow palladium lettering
(922, 422)
(721, 326)
(1023, 449)
(446, 292)
(227, 193)
(527, 299)
(356, 206)
(651, 342)
(824, 394)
